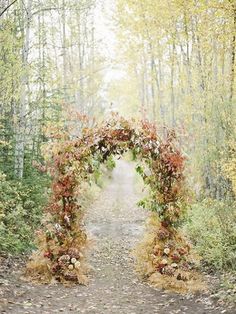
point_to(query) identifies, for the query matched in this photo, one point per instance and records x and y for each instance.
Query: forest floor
(116, 225)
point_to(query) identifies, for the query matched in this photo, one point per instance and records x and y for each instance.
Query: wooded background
(173, 63)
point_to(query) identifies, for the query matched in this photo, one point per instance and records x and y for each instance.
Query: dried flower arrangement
(62, 241)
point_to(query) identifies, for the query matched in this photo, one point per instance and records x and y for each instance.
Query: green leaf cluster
(20, 211)
(212, 227)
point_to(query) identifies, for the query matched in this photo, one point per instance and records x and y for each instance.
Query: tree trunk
(64, 56)
(232, 75)
(21, 128)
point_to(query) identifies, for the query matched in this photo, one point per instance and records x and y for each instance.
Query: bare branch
(7, 8)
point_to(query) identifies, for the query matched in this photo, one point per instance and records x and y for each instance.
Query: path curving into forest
(116, 224)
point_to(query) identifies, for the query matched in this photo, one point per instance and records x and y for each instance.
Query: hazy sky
(105, 32)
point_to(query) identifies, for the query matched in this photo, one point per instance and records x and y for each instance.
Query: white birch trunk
(21, 127)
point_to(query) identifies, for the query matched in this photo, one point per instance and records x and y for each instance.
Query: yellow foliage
(230, 166)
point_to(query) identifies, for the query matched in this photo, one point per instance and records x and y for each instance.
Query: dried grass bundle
(164, 259)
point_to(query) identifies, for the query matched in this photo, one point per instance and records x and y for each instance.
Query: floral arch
(62, 241)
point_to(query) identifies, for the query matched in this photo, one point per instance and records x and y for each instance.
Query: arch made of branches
(62, 241)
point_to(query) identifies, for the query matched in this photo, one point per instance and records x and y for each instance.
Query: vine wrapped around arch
(62, 241)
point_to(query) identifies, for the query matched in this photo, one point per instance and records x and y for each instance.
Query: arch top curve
(75, 162)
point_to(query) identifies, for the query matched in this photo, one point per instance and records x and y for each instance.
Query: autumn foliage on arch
(62, 241)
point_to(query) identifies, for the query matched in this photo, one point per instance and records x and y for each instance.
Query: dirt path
(116, 224)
